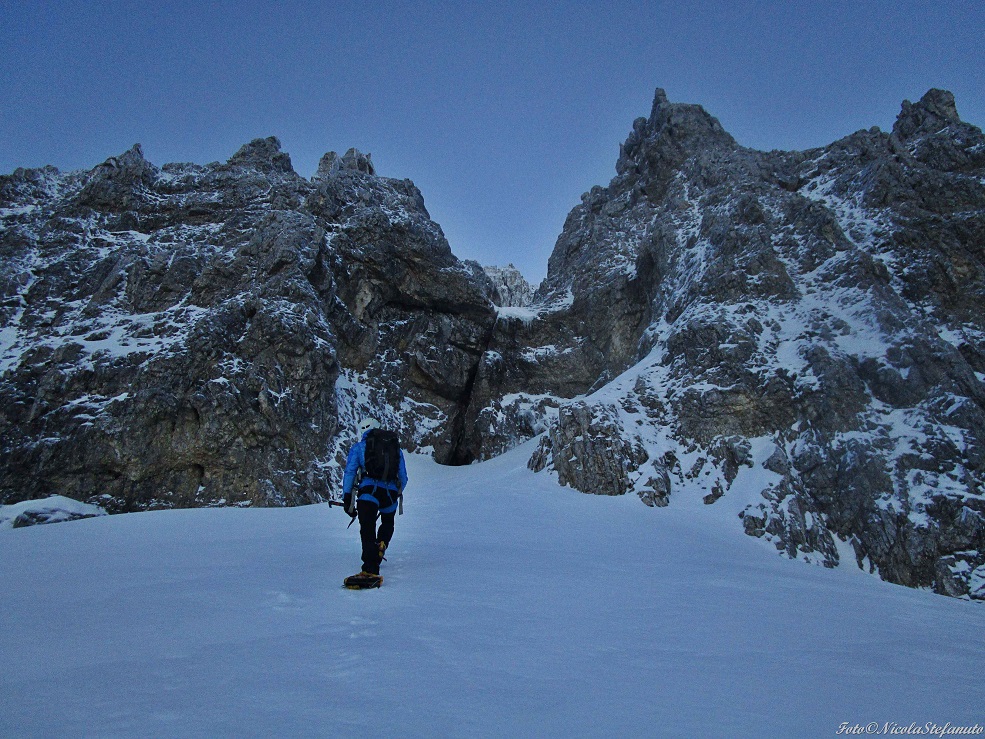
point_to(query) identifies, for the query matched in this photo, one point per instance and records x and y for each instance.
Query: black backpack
(382, 458)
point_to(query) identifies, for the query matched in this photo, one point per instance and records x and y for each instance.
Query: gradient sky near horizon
(503, 113)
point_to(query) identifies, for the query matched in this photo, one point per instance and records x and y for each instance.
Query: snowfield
(511, 607)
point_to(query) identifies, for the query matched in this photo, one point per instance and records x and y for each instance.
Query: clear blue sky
(502, 113)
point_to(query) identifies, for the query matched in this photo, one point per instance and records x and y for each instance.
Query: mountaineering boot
(362, 581)
(382, 545)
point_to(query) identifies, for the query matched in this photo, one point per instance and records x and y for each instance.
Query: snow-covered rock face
(795, 337)
(511, 289)
(199, 335)
(813, 317)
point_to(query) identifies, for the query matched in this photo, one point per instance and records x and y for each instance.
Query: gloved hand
(346, 502)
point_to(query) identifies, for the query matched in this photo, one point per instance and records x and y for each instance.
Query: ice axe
(341, 505)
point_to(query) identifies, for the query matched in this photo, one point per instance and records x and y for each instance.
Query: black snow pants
(370, 536)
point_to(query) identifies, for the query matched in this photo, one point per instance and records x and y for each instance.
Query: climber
(373, 485)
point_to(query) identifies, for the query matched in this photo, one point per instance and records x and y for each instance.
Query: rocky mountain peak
(684, 119)
(329, 165)
(658, 145)
(680, 122)
(660, 100)
(935, 111)
(511, 289)
(117, 181)
(352, 161)
(209, 334)
(130, 165)
(717, 313)
(263, 155)
(130, 160)
(355, 161)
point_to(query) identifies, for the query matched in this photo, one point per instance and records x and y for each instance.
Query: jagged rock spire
(352, 161)
(264, 155)
(662, 141)
(935, 111)
(115, 183)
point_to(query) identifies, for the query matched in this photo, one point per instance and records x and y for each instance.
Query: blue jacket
(357, 461)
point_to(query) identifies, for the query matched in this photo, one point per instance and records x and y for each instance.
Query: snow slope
(511, 607)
